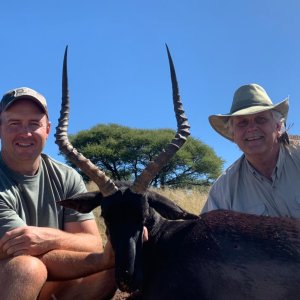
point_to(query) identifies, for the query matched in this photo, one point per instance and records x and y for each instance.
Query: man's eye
(242, 123)
(34, 125)
(261, 120)
(13, 124)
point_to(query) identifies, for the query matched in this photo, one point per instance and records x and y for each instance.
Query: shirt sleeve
(218, 197)
(223, 191)
(9, 219)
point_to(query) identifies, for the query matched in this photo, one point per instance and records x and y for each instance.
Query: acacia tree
(122, 153)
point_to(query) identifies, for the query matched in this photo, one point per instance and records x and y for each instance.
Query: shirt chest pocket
(259, 209)
(296, 205)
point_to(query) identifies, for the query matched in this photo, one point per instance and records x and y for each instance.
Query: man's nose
(251, 125)
(25, 129)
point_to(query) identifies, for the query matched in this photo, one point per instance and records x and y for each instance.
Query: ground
(122, 295)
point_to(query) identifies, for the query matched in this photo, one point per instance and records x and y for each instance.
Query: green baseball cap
(12, 96)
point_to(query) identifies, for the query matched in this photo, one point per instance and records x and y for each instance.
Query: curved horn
(183, 131)
(105, 184)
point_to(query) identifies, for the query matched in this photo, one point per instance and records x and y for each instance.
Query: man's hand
(28, 240)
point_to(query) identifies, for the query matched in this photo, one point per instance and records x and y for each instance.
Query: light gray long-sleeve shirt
(241, 188)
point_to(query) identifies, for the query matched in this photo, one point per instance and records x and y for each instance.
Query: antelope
(218, 255)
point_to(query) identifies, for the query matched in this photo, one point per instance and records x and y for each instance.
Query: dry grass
(191, 200)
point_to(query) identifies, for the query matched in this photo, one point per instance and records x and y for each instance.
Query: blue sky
(118, 67)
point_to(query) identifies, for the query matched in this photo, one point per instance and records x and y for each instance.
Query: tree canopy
(122, 153)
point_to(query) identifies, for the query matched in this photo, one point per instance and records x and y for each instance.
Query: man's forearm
(65, 265)
(78, 242)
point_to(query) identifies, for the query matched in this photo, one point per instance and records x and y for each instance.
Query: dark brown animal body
(225, 255)
(219, 255)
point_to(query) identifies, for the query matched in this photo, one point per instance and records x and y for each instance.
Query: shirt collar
(277, 170)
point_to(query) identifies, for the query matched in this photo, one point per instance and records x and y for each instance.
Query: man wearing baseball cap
(263, 180)
(24, 92)
(46, 252)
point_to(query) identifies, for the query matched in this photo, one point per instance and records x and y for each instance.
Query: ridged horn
(105, 184)
(183, 131)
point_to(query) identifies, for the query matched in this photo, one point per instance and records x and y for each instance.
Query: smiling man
(264, 180)
(46, 252)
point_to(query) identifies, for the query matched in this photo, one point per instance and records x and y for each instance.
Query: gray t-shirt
(31, 200)
(241, 188)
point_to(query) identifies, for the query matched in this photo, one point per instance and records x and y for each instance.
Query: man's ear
(48, 127)
(278, 129)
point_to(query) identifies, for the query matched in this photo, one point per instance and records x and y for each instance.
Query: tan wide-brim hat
(247, 100)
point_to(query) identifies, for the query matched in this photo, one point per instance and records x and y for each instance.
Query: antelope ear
(83, 203)
(168, 209)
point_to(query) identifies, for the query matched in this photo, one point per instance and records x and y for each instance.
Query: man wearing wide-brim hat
(263, 180)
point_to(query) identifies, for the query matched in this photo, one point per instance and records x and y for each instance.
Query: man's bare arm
(31, 240)
(65, 265)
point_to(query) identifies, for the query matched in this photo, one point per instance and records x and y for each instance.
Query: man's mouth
(24, 145)
(253, 138)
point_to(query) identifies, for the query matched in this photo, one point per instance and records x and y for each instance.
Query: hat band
(247, 106)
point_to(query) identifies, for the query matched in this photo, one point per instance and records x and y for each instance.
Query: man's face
(24, 130)
(256, 134)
